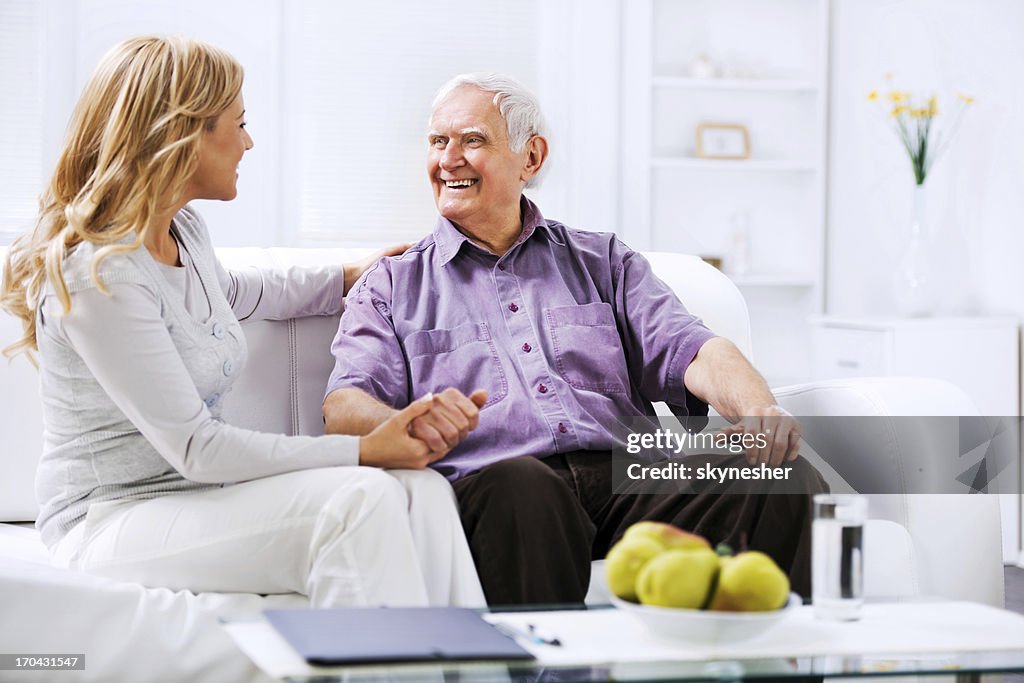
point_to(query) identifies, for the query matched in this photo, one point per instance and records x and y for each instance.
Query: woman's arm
(126, 346)
(283, 293)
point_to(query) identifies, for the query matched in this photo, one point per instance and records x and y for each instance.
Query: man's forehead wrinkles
(466, 130)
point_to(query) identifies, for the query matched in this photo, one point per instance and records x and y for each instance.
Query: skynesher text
(707, 472)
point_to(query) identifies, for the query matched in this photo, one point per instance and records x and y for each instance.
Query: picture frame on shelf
(723, 141)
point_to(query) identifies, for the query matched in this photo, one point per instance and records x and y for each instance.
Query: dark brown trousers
(535, 525)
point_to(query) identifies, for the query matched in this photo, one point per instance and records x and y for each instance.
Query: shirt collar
(450, 240)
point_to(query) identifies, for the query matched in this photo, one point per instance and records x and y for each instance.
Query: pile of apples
(660, 565)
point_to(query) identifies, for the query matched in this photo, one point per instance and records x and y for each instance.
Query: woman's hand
(391, 445)
(354, 270)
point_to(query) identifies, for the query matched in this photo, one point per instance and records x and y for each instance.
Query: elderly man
(546, 336)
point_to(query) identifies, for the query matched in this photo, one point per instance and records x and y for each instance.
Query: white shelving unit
(749, 84)
(773, 165)
(772, 57)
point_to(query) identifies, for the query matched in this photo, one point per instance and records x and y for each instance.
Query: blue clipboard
(365, 635)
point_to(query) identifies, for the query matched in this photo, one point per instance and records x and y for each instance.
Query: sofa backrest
(281, 388)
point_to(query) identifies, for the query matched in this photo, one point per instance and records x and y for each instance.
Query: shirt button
(229, 367)
(562, 428)
(513, 308)
(527, 348)
(542, 389)
(218, 330)
(211, 400)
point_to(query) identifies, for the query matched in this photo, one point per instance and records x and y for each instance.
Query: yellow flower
(911, 117)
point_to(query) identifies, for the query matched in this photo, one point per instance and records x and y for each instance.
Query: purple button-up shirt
(568, 332)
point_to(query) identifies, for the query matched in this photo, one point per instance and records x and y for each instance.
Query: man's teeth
(459, 183)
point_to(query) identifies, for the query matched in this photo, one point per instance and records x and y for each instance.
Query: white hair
(519, 107)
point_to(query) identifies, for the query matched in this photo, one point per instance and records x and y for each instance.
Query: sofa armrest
(941, 526)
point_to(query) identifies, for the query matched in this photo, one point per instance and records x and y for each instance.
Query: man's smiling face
(477, 179)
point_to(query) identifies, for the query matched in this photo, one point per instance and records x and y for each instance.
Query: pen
(530, 634)
(544, 638)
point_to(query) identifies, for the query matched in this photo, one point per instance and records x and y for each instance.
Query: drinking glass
(837, 556)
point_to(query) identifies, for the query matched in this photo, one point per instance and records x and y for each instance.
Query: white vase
(916, 286)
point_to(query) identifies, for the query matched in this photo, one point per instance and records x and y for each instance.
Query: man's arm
(725, 379)
(353, 411)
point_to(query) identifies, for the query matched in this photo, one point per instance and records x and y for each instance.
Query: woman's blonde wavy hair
(132, 146)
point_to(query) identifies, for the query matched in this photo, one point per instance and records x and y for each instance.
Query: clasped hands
(425, 431)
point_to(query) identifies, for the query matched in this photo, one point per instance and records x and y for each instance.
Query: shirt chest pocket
(587, 350)
(463, 357)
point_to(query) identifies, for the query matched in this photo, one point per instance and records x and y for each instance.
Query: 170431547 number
(42, 662)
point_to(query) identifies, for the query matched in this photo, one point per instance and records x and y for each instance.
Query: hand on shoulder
(355, 269)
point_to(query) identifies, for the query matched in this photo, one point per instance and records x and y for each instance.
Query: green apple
(624, 561)
(670, 537)
(750, 582)
(678, 578)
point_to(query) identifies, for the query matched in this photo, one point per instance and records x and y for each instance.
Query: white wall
(976, 193)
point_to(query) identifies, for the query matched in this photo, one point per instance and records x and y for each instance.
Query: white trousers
(341, 536)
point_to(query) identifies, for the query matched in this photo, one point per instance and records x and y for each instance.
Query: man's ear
(536, 154)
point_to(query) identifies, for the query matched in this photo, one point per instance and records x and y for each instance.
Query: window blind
(20, 116)
(360, 82)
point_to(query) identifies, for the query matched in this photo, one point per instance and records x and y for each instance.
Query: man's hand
(780, 431)
(421, 433)
(451, 418)
(720, 375)
(355, 270)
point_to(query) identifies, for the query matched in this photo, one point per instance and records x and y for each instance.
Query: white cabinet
(762, 65)
(980, 355)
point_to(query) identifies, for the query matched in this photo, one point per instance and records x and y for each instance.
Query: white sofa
(945, 546)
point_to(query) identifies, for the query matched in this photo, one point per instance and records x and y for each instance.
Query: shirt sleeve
(125, 344)
(367, 352)
(282, 293)
(661, 337)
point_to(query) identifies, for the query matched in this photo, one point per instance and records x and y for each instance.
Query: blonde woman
(136, 328)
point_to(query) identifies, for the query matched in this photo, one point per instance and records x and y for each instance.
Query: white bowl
(706, 626)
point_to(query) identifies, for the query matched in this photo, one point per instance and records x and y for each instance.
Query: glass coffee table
(935, 638)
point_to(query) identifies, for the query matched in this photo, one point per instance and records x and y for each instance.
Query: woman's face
(221, 150)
